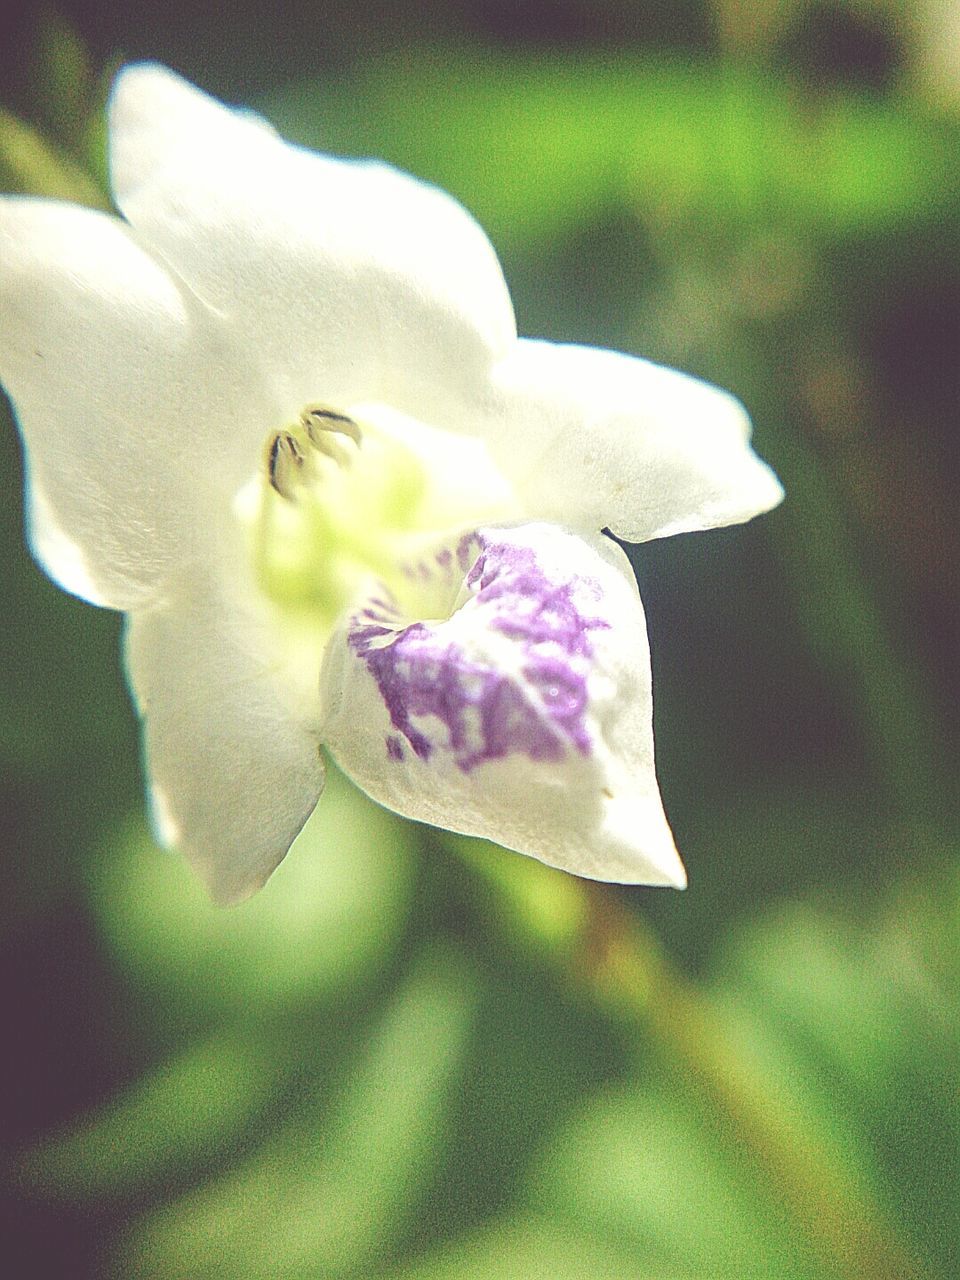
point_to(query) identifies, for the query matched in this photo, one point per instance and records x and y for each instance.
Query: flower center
(351, 503)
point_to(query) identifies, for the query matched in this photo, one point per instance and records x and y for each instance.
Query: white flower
(278, 412)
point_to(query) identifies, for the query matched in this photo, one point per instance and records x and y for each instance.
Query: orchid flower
(277, 412)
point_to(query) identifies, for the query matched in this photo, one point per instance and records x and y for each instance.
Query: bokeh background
(416, 1057)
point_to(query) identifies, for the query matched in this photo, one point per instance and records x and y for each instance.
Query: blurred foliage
(536, 149)
(416, 1057)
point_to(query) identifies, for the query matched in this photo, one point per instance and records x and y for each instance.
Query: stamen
(285, 461)
(317, 419)
(328, 512)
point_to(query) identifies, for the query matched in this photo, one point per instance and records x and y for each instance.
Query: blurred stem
(628, 973)
(600, 945)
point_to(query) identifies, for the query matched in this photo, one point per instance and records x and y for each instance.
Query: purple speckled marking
(488, 713)
(465, 551)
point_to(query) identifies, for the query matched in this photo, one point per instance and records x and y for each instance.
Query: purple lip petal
(534, 703)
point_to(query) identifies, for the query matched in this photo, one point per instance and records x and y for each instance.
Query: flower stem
(627, 971)
(604, 950)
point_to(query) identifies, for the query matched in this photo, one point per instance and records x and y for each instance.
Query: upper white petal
(346, 281)
(133, 411)
(599, 439)
(234, 767)
(525, 717)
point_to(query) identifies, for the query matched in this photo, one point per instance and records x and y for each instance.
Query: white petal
(525, 717)
(234, 771)
(118, 388)
(348, 281)
(598, 439)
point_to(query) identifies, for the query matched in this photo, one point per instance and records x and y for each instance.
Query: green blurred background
(417, 1057)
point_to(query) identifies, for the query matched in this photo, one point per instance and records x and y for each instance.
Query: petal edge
(599, 439)
(233, 775)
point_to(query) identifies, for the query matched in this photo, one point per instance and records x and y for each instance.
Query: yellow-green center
(346, 501)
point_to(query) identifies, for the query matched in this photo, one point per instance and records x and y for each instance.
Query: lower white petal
(525, 716)
(598, 439)
(234, 772)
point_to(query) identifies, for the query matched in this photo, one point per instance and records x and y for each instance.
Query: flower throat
(343, 504)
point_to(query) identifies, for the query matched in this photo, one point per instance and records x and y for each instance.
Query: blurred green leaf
(851, 1030)
(328, 1192)
(31, 164)
(164, 1127)
(532, 1248)
(534, 145)
(864, 1018)
(326, 918)
(642, 1167)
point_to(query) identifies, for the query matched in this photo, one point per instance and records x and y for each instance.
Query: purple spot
(465, 550)
(380, 606)
(394, 747)
(487, 713)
